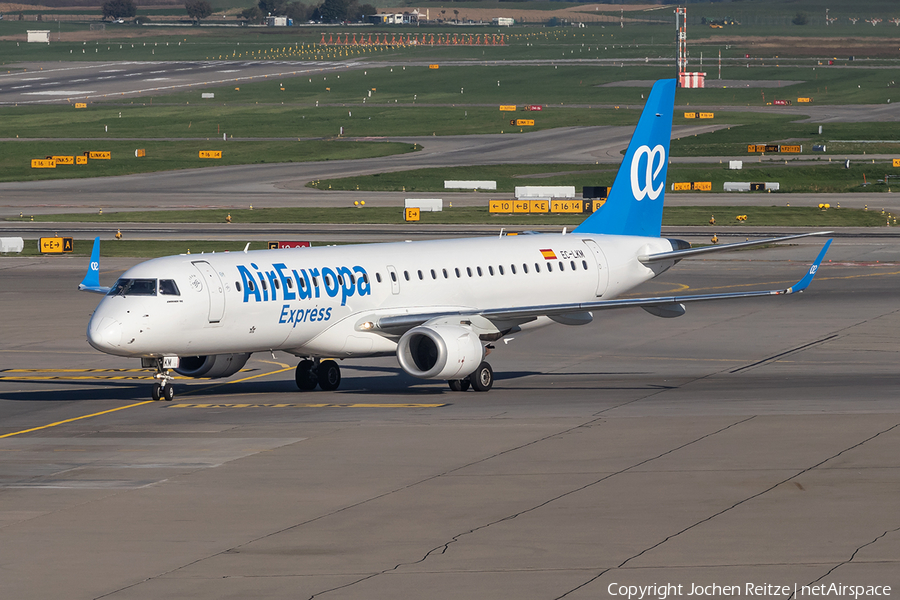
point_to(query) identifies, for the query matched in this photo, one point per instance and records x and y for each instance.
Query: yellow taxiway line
(97, 414)
(307, 405)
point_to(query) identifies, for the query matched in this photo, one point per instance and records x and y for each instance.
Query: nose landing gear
(162, 388)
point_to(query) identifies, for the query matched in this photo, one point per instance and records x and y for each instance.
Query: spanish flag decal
(548, 254)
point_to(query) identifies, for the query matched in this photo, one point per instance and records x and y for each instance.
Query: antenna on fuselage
(247, 247)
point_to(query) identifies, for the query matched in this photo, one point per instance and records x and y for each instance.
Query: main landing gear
(324, 373)
(481, 380)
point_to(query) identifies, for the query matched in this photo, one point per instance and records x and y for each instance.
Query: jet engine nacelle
(440, 352)
(216, 365)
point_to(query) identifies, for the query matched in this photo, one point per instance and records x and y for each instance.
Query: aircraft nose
(105, 334)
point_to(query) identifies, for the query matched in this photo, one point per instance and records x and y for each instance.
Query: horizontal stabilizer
(689, 252)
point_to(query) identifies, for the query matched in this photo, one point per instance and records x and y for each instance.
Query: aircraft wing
(663, 306)
(678, 254)
(91, 281)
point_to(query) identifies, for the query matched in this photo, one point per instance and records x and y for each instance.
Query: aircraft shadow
(398, 383)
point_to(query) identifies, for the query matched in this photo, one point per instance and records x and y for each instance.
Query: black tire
(167, 393)
(156, 394)
(329, 374)
(459, 385)
(305, 375)
(483, 378)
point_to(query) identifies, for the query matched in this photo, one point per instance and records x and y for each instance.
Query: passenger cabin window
(277, 284)
(445, 273)
(377, 277)
(134, 287)
(469, 271)
(167, 287)
(420, 275)
(572, 264)
(524, 268)
(479, 271)
(491, 270)
(457, 272)
(537, 267)
(406, 275)
(237, 285)
(433, 275)
(550, 267)
(562, 266)
(584, 264)
(290, 284)
(513, 269)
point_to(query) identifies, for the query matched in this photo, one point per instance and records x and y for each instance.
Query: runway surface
(748, 441)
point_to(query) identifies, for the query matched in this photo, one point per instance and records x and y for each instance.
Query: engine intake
(440, 352)
(213, 366)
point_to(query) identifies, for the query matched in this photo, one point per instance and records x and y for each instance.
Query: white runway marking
(59, 93)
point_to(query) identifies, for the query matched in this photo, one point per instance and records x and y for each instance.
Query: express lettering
(263, 286)
(303, 315)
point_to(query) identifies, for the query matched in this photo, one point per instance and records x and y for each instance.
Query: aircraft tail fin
(91, 281)
(635, 202)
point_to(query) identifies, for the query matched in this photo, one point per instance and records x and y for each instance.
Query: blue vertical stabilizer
(635, 203)
(91, 281)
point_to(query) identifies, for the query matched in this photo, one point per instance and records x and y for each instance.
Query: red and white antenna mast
(681, 37)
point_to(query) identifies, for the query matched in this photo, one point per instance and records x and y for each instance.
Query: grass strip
(757, 216)
(821, 176)
(15, 157)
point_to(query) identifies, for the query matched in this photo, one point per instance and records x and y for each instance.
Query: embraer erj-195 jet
(437, 305)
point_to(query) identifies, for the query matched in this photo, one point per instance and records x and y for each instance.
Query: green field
(768, 216)
(15, 157)
(822, 176)
(211, 118)
(296, 118)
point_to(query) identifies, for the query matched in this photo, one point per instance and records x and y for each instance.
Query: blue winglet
(813, 269)
(91, 281)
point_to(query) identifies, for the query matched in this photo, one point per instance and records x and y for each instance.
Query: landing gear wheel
(483, 378)
(168, 393)
(459, 385)
(157, 392)
(329, 374)
(305, 375)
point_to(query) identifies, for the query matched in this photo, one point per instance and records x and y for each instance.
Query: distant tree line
(330, 11)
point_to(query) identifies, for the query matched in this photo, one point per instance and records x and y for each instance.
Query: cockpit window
(134, 287)
(167, 287)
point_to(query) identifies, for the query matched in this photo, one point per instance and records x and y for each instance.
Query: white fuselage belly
(217, 312)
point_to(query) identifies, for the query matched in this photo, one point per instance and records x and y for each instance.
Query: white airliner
(437, 305)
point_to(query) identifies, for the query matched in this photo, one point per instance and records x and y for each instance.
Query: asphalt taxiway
(748, 441)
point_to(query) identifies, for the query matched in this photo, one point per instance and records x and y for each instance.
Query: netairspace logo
(669, 590)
